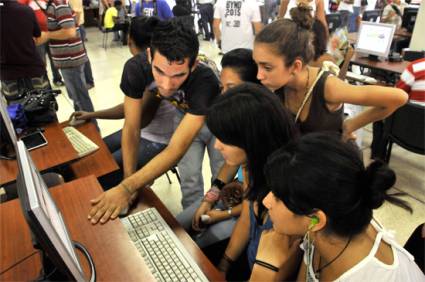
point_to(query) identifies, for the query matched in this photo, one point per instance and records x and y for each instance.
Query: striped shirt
(67, 53)
(412, 80)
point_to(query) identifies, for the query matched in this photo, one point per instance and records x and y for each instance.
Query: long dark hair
(240, 60)
(252, 118)
(319, 171)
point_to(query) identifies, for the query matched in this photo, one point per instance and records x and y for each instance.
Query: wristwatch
(229, 211)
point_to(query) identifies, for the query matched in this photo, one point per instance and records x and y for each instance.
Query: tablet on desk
(34, 140)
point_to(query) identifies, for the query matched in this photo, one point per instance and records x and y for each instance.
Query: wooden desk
(98, 163)
(115, 256)
(58, 151)
(387, 66)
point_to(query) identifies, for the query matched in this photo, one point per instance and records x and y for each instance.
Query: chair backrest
(371, 16)
(405, 127)
(334, 21)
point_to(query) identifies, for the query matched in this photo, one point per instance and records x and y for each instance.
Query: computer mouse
(75, 122)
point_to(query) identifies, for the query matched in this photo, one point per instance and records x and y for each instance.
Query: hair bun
(378, 178)
(301, 15)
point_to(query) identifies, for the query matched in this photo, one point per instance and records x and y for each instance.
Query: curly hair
(175, 41)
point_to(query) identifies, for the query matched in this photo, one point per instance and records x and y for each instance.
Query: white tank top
(372, 269)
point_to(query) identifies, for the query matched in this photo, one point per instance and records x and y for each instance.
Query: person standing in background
(206, 8)
(149, 8)
(317, 9)
(68, 52)
(393, 13)
(19, 62)
(77, 7)
(345, 8)
(239, 21)
(39, 8)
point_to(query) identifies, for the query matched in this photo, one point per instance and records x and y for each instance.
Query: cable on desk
(19, 262)
(89, 259)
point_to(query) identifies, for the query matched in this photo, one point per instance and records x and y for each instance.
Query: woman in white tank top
(322, 191)
(317, 9)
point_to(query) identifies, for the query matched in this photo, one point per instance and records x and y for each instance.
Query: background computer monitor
(7, 132)
(409, 18)
(48, 229)
(371, 16)
(375, 39)
(334, 21)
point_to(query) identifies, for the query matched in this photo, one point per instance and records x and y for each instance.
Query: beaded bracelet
(212, 195)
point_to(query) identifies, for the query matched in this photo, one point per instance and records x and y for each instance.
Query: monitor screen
(375, 38)
(44, 218)
(409, 18)
(334, 21)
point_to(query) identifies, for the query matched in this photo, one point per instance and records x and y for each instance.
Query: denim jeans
(147, 151)
(214, 232)
(190, 166)
(75, 83)
(44, 50)
(87, 66)
(352, 23)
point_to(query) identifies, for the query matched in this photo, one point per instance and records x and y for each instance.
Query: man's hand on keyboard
(109, 205)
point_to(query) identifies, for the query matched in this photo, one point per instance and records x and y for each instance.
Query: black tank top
(319, 117)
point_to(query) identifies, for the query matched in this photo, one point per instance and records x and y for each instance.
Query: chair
(405, 127)
(105, 32)
(173, 170)
(50, 178)
(371, 16)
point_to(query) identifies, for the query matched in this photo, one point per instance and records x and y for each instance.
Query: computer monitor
(47, 226)
(409, 18)
(334, 21)
(371, 16)
(374, 39)
(7, 133)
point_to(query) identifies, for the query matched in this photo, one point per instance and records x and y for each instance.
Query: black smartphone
(34, 140)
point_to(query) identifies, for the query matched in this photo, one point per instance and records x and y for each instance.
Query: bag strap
(308, 94)
(41, 8)
(396, 10)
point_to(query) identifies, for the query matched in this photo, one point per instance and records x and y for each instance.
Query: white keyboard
(79, 141)
(361, 78)
(162, 251)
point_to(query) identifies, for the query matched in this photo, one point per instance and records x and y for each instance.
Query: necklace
(317, 272)
(306, 95)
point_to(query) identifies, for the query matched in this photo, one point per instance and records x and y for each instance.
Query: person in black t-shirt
(19, 59)
(191, 87)
(137, 74)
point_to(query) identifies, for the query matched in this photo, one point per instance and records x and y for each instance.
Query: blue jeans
(147, 151)
(87, 66)
(190, 166)
(75, 83)
(44, 50)
(214, 233)
(352, 23)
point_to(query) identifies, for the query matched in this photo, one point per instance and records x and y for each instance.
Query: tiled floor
(107, 66)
